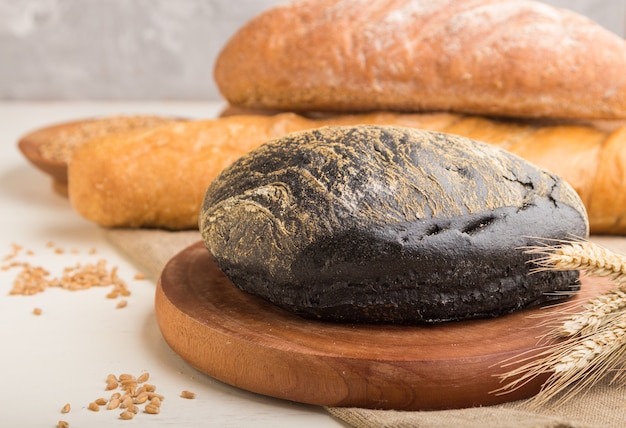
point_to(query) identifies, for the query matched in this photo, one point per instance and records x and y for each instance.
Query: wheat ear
(578, 362)
(595, 313)
(581, 255)
(595, 340)
(595, 261)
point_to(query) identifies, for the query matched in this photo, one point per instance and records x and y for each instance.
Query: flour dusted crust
(489, 57)
(387, 224)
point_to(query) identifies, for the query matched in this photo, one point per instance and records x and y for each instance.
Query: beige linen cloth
(604, 405)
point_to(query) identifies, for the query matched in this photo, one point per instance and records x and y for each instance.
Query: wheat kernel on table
(63, 424)
(121, 304)
(143, 377)
(114, 403)
(37, 311)
(111, 382)
(130, 387)
(152, 395)
(141, 398)
(188, 394)
(127, 415)
(66, 408)
(93, 407)
(126, 402)
(101, 401)
(152, 409)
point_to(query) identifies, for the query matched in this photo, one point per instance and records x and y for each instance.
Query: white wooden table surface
(64, 355)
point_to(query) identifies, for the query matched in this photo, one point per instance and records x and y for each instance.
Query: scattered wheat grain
(188, 394)
(141, 398)
(93, 407)
(152, 395)
(126, 402)
(127, 415)
(66, 408)
(111, 382)
(152, 409)
(35, 279)
(114, 403)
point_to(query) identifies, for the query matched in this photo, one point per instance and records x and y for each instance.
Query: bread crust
(389, 224)
(158, 178)
(490, 57)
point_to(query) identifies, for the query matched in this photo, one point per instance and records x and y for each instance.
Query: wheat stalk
(581, 255)
(595, 313)
(572, 365)
(595, 338)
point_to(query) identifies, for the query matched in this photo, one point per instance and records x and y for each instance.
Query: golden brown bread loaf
(49, 148)
(158, 178)
(489, 57)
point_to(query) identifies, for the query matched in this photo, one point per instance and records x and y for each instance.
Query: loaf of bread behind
(158, 178)
(504, 58)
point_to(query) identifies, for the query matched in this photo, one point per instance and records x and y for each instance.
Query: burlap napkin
(601, 406)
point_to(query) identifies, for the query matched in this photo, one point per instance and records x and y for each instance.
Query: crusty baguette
(158, 178)
(490, 57)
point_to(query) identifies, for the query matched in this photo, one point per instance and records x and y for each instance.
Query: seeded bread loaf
(489, 57)
(387, 224)
(49, 148)
(157, 178)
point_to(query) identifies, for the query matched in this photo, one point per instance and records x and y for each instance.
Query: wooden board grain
(249, 343)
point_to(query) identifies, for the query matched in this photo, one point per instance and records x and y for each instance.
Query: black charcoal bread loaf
(381, 224)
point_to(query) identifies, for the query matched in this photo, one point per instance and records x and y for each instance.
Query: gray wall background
(144, 49)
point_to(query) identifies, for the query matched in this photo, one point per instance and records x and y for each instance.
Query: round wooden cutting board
(249, 343)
